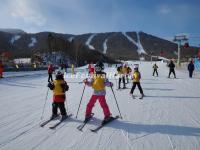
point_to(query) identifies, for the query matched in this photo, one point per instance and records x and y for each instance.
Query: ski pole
(44, 104)
(81, 100)
(116, 102)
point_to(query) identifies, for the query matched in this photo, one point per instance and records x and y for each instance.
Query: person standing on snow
(50, 72)
(1, 70)
(136, 80)
(59, 87)
(155, 69)
(121, 72)
(91, 68)
(191, 68)
(171, 69)
(129, 70)
(98, 83)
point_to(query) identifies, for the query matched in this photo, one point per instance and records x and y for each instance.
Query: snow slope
(168, 118)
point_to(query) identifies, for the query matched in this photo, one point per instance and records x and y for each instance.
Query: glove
(85, 81)
(115, 75)
(50, 85)
(111, 84)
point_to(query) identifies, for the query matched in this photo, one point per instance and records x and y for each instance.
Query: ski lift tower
(179, 39)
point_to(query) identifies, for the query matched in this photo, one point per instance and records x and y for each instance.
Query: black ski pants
(61, 106)
(123, 80)
(155, 71)
(172, 71)
(190, 74)
(50, 77)
(139, 87)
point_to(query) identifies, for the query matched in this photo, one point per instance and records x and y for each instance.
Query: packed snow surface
(168, 118)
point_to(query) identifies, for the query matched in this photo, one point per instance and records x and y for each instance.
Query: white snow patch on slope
(105, 47)
(140, 49)
(88, 42)
(71, 38)
(33, 41)
(15, 38)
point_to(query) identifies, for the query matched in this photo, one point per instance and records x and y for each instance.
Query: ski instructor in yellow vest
(136, 81)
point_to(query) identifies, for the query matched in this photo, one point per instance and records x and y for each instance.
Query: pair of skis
(80, 127)
(56, 124)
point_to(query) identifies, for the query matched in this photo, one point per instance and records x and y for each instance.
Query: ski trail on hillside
(140, 49)
(71, 38)
(15, 38)
(105, 47)
(33, 42)
(89, 40)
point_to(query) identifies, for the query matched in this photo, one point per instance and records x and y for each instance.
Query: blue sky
(163, 18)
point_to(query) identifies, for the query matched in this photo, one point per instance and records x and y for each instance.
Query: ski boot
(54, 116)
(106, 119)
(63, 117)
(88, 117)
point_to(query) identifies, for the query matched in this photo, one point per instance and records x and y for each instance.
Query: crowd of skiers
(98, 81)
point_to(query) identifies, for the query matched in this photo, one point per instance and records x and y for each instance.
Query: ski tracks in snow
(173, 146)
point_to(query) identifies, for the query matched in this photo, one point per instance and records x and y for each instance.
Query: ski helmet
(99, 66)
(136, 66)
(59, 75)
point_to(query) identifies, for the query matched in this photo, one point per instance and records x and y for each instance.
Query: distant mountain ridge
(114, 45)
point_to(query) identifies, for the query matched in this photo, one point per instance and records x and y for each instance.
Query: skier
(191, 68)
(59, 87)
(1, 70)
(98, 83)
(171, 69)
(136, 81)
(72, 67)
(121, 72)
(91, 68)
(50, 72)
(155, 69)
(129, 70)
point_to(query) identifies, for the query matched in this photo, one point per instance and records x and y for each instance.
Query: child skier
(155, 69)
(59, 87)
(136, 81)
(98, 83)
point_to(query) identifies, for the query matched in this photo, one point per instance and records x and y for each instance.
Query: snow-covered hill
(168, 118)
